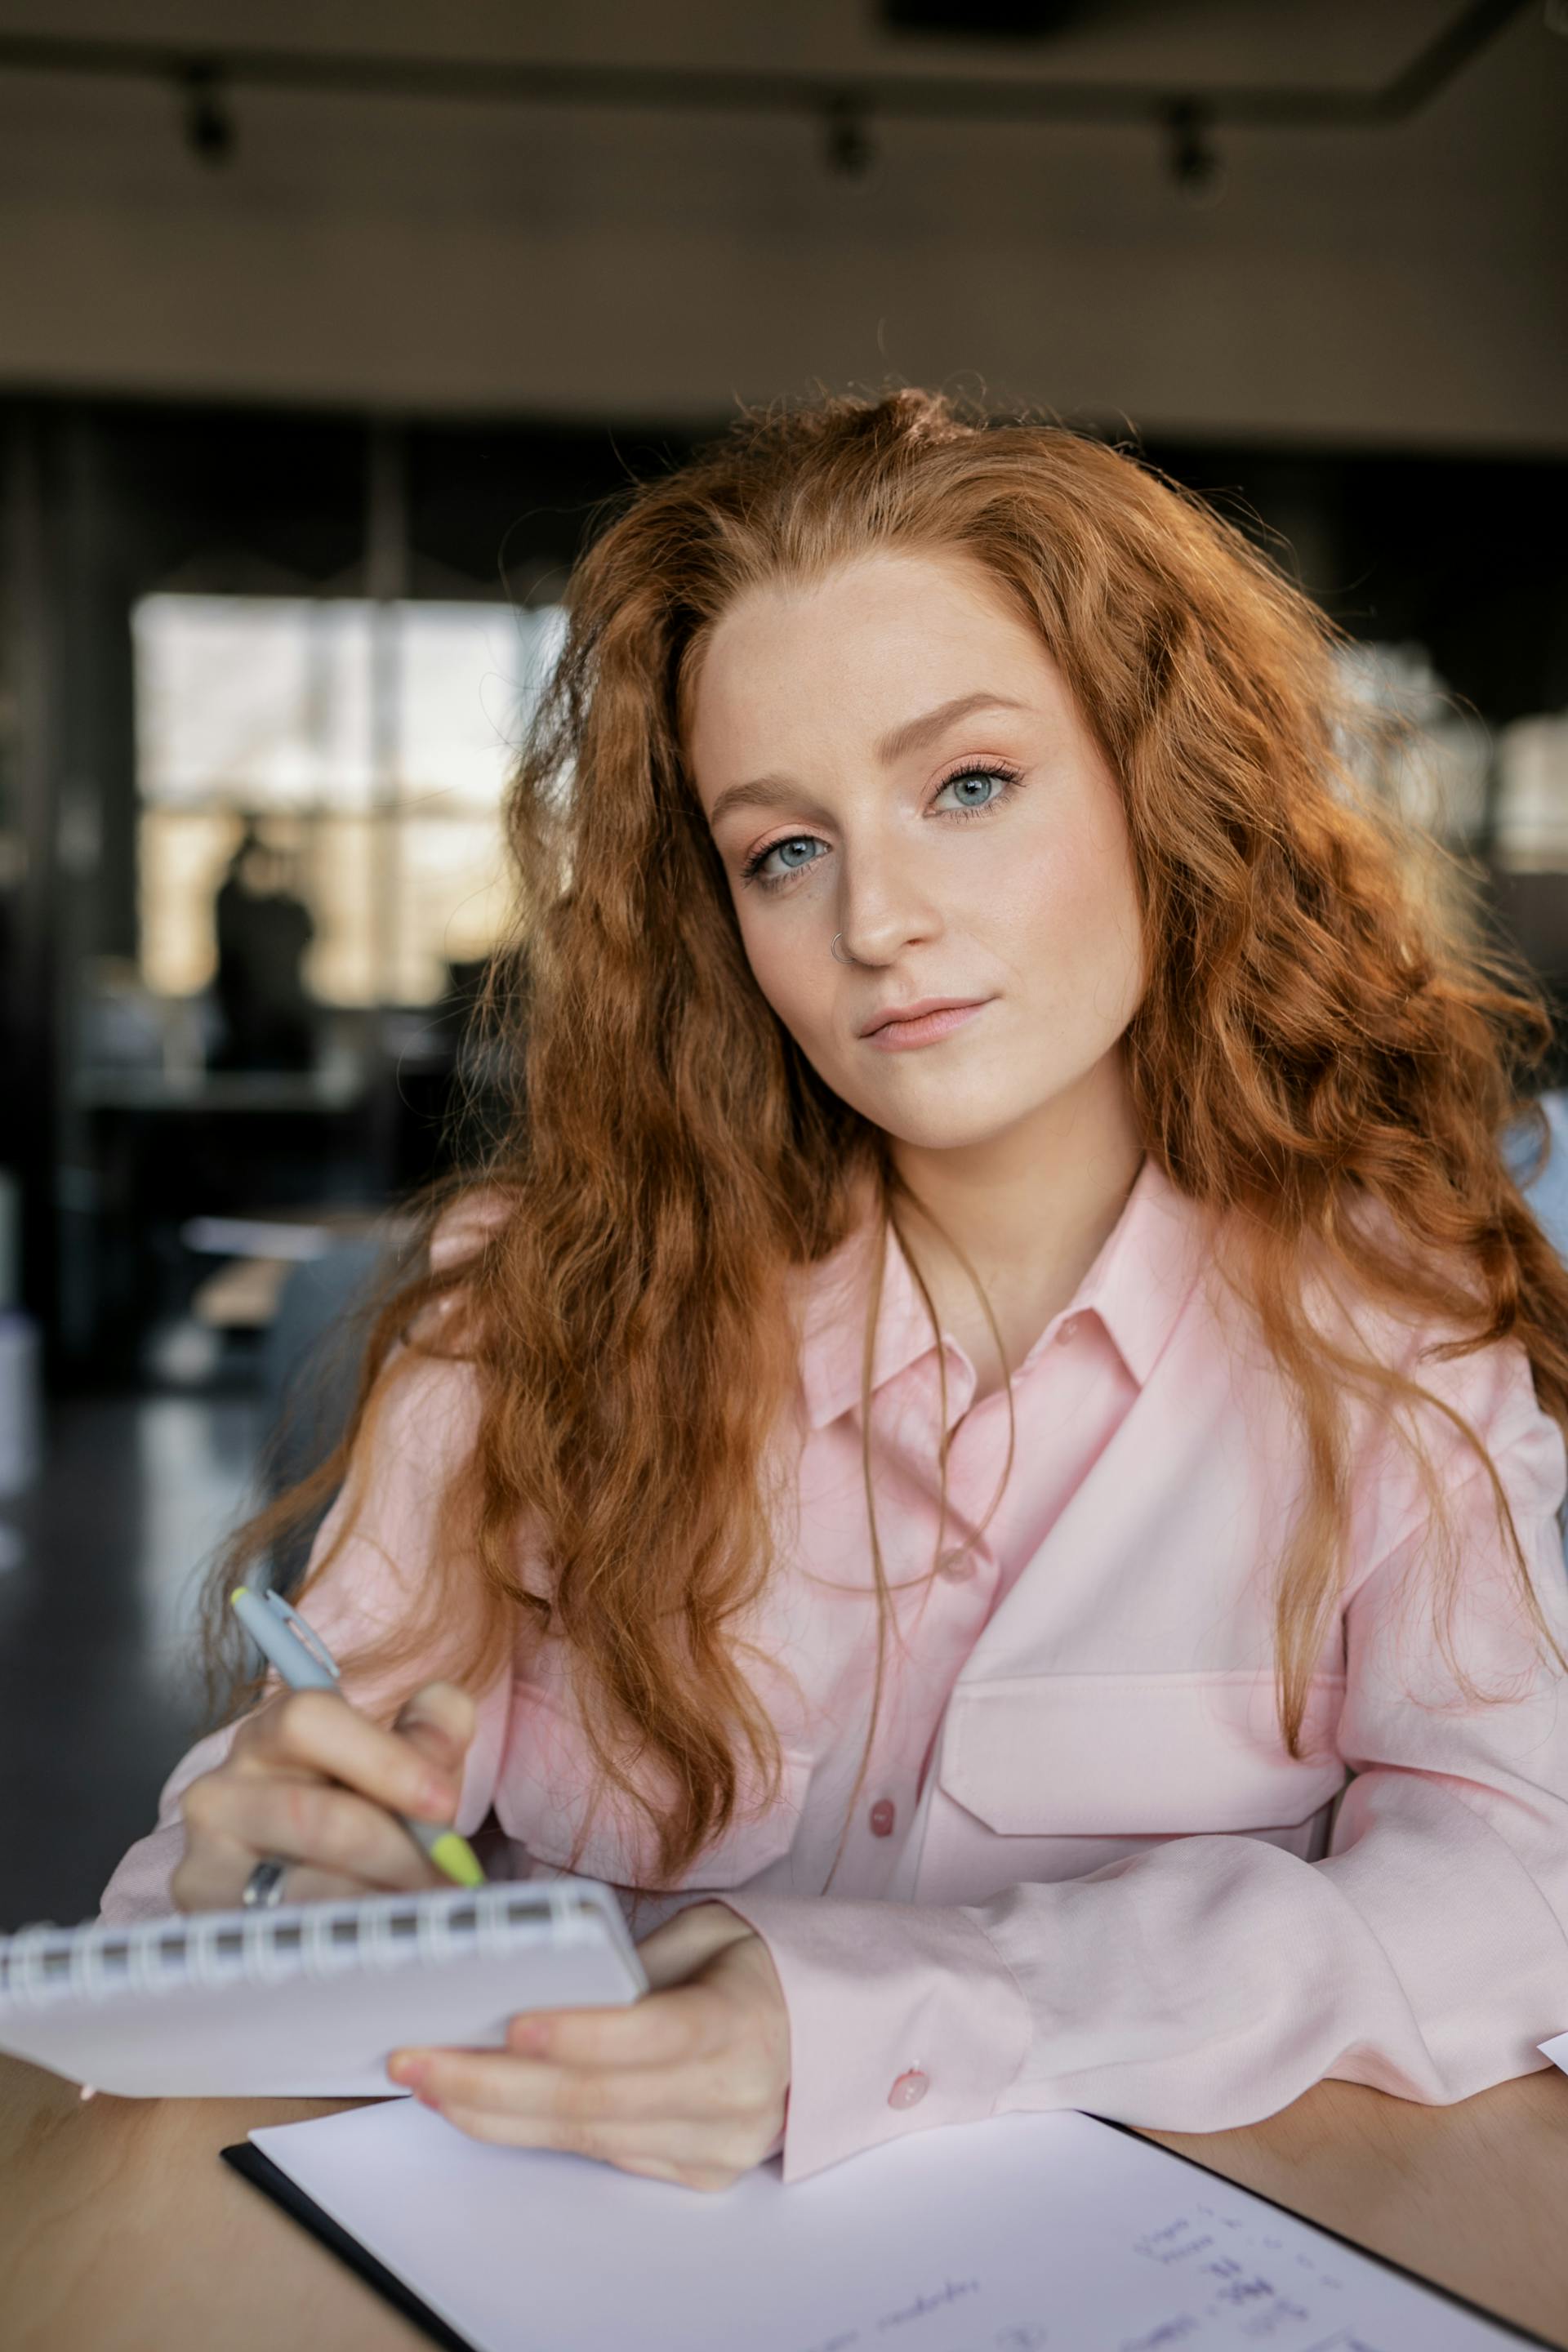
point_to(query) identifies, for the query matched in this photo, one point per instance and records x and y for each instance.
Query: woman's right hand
(310, 1780)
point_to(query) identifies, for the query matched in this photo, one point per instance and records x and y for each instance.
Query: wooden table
(121, 2232)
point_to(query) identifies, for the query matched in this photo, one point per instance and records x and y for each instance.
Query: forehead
(865, 647)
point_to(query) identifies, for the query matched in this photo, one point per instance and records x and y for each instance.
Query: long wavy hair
(1321, 1034)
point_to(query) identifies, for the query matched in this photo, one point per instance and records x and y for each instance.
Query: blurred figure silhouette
(263, 930)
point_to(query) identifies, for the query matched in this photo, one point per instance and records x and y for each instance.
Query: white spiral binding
(145, 1971)
(321, 1955)
(205, 1961)
(437, 1940)
(89, 1977)
(104, 1961)
(491, 1921)
(30, 1948)
(150, 1968)
(379, 1946)
(262, 1957)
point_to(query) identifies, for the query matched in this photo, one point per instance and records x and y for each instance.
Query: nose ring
(834, 950)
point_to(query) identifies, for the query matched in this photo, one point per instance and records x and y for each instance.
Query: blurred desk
(159, 1146)
(121, 2232)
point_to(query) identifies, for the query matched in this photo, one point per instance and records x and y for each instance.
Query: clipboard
(274, 2182)
(262, 2173)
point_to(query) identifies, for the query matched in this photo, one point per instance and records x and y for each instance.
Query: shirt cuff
(900, 2016)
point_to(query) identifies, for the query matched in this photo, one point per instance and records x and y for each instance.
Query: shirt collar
(1137, 1286)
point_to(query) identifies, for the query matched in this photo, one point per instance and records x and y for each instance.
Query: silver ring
(263, 1887)
(833, 950)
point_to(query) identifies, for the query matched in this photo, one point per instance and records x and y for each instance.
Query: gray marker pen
(305, 1662)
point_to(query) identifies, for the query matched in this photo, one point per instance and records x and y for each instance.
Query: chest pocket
(1136, 1755)
(542, 1800)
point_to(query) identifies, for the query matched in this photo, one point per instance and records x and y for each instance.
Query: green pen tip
(456, 1857)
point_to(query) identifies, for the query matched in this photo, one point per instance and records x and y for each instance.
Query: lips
(917, 1011)
(914, 1031)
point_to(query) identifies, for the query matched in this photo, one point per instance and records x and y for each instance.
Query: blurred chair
(1547, 1192)
(309, 1370)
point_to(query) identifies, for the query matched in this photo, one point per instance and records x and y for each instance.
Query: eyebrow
(766, 791)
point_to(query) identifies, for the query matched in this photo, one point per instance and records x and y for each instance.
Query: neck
(1031, 1208)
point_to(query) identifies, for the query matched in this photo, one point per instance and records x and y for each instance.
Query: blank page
(1027, 2233)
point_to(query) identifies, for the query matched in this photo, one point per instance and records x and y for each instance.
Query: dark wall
(1468, 556)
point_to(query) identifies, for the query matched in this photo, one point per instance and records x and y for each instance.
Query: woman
(1006, 1468)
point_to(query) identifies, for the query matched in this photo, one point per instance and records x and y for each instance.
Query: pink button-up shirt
(1081, 1870)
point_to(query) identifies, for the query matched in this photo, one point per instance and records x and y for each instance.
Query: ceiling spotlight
(1195, 167)
(850, 150)
(209, 125)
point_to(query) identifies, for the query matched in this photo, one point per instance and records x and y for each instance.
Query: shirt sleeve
(391, 1509)
(1206, 1982)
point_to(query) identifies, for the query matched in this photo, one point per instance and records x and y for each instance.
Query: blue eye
(798, 850)
(979, 776)
(777, 850)
(752, 869)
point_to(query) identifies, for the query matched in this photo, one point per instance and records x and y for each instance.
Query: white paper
(1027, 2233)
(1556, 2049)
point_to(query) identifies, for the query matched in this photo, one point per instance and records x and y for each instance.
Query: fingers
(215, 1881)
(212, 1873)
(689, 2083)
(703, 2125)
(687, 2154)
(231, 1818)
(305, 1884)
(310, 1779)
(656, 2032)
(689, 1940)
(679, 2087)
(494, 2082)
(440, 1722)
(317, 1731)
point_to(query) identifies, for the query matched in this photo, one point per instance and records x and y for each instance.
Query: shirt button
(1067, 1330)
(909, 2090)
(957, 1567)
(882, 1817)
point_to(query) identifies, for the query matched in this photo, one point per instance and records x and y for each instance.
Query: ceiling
(1214, 45)
(1401, 282)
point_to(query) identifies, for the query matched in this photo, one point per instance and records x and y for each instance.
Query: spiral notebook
(307, 2000)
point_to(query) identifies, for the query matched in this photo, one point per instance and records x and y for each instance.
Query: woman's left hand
(687, 2084)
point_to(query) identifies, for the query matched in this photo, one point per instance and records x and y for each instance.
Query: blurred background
(323, 329)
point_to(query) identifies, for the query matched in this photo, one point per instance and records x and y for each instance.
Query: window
(368, 744)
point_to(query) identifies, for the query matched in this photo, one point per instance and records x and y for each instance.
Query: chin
(944, 1125)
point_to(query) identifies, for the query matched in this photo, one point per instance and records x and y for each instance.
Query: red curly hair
(1323, 1056)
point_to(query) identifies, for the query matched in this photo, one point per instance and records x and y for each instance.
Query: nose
(883, 906)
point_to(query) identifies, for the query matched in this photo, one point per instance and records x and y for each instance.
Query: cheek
(798, 985)
(1067, 917)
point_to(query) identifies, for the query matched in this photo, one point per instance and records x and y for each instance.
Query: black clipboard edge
(1385, 2262)
(274, 2182)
